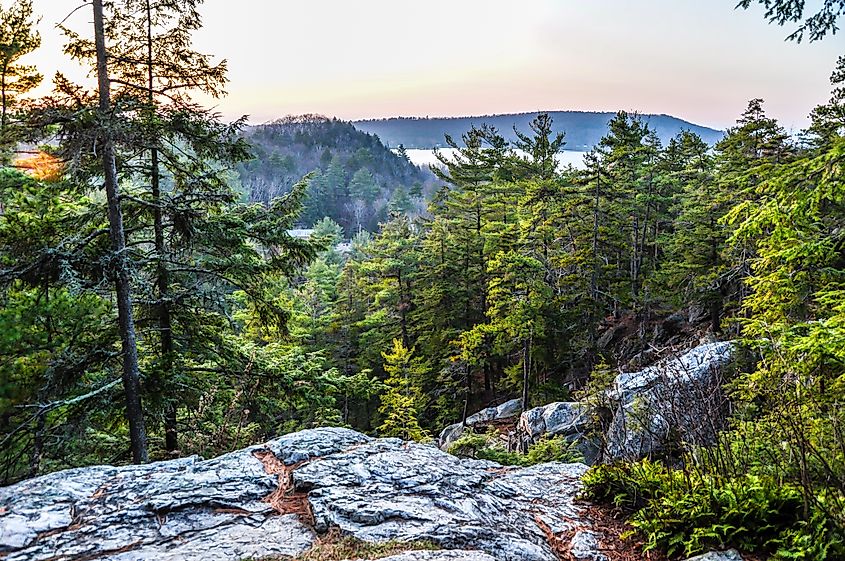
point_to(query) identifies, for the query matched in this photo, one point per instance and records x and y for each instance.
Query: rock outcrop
(507, 410)
(274, 499)
(678, 398)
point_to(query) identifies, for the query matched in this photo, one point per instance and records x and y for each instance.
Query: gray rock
(390, 489)
(506, 410)
(556, 418)
(729, 555)
(375, 490)
(573, 420)
(146, 512)
(677, 399)
(694, 365)
(509, 409)
(585, 546)
(450, 434)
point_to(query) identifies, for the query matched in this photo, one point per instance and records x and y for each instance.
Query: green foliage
(402, 401)
(814, 26)
(490, 447)
(685, 514)
(18, 38)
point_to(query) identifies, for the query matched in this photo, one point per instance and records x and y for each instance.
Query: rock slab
(234, 507)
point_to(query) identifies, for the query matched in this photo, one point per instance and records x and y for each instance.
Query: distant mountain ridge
(583, 129)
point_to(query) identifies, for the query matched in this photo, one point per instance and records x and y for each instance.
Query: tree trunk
(131, 373)
(526, 372)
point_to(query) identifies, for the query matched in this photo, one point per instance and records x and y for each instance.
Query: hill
(357, 179)
(583, 129)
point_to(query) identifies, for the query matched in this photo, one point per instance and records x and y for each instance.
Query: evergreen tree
(695, 244)
(18, 38)
(755, 140)
(401, 403)
(177, 158)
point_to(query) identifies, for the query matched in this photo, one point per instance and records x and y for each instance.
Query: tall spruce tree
(18, 38)
(131, 372)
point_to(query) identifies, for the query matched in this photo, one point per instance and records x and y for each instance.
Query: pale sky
(695, 59)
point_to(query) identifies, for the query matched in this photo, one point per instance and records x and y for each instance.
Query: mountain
(583, 129)
(357, 178)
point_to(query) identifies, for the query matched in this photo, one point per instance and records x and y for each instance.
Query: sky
(698, 60)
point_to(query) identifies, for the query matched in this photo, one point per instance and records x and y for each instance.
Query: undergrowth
(685, 514)
(488, 447)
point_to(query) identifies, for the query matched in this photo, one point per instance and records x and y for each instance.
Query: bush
(488, 447)
(682, 513)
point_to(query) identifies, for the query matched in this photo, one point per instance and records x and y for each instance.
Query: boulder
(679, 398)
(274, 499)
(506, 410)
(585, 547)
(694, 365)
(146, 512)
(450, 434)
(555, 418)
(391, 489)
(675, 398)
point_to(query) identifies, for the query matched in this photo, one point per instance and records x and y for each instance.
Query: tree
(517, 297)
(696, 242)
(796, 321)
(18, 38)
(194, 241)
(401, 403)
(131, 372)
(815, 27)
(151, 60)
(58, 339)
(828, 120)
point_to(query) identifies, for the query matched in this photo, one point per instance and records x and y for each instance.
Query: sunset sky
(701, 61)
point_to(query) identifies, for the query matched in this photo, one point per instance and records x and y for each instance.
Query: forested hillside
(155, 304)
(583, 129)
(357, 181)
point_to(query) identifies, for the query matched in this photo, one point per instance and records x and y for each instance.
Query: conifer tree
(18, 38)
(755, 140)
(131, 371)
(402, 402)
(695, 244)
(177, 155)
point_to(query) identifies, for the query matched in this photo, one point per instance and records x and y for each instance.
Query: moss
(335, 547)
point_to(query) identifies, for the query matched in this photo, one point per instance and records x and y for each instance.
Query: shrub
(488, 447)
(683, 513)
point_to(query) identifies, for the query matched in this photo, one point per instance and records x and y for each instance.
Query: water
(424, 158)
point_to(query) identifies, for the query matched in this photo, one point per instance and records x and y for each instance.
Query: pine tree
(755, 141)
(131, 372)
(696, 242)
(402, 402)
(18, 38)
